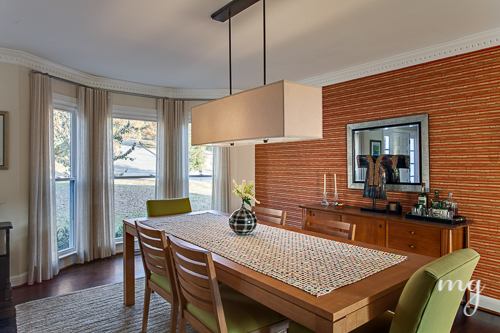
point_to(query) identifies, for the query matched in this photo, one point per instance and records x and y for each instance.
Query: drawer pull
(412, 246)
(411, 232)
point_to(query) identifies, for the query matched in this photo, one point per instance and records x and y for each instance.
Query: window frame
(63, 103)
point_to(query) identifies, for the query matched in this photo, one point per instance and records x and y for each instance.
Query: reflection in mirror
(405, 137)
(390, 140)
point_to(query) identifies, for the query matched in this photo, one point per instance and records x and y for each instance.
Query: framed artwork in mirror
(4, 140)
(375, 147)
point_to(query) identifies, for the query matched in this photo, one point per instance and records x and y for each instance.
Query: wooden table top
(306, 308)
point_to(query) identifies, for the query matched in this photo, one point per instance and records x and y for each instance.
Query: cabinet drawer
(414, 232)
(322, 217)
(415, 245)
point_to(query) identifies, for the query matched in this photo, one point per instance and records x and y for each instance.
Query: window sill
(66, 253)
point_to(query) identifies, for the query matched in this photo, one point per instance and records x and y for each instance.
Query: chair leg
(174, 312)
(147, 298)
(182, 323)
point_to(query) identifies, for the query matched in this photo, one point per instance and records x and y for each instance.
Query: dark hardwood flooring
(106, 271)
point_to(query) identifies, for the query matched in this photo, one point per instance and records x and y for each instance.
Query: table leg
(128, 268)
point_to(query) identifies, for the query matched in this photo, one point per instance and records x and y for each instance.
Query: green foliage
(197, 158)
(63, 237)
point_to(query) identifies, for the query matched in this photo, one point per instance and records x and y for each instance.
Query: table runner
(312, 264)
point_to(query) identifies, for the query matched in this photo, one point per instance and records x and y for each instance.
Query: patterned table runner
(313, 264)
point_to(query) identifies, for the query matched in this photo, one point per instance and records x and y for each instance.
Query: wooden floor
(106, 271)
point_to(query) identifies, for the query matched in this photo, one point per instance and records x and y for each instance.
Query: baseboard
(486, 303)
(18, 280)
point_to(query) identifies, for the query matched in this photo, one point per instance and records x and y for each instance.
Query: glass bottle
(436, 202)
(423, 198)
(451, 204)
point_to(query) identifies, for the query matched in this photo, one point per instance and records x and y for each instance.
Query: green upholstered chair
(158, 268)
(210, 307)
(168, 207)
(422, 307)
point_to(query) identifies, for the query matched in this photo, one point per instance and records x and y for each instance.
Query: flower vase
(242, 221)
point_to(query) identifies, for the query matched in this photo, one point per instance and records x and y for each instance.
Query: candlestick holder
(325, 201)
(335, 199)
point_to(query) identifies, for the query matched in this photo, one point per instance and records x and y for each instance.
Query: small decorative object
(242, 221)
(393, 208)
(325, 201)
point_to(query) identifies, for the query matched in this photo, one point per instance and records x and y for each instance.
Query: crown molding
(467, 44)
(67, 73)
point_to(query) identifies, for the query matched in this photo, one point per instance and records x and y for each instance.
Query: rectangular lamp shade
(279, 112)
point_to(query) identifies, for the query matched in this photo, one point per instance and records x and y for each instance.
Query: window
(134, 150)
(412, 160)
(64, 152)
(200, 176)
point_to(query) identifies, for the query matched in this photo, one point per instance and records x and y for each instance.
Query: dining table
(340, 310)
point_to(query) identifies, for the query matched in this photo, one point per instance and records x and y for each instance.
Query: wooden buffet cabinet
(393, 231)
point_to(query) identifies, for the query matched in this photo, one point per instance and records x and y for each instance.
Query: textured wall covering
(461, 94)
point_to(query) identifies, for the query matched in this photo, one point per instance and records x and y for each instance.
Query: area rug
(98, 309)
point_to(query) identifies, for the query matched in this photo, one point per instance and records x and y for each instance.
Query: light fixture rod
(230, 58)
(264, 23)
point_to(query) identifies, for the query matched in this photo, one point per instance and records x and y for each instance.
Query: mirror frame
(5, 133)
(423, 119)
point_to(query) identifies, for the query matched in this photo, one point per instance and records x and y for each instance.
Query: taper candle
(324, 183)
(335, 183)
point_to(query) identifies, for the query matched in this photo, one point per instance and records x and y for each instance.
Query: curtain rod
(117, 91)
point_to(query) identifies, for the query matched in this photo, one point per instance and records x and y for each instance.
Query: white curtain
(43, 256)
(172, 153)
(221, 179)
(94, 218)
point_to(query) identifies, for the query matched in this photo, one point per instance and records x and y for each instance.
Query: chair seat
(381, 324)
(161, 281)
(242, 313)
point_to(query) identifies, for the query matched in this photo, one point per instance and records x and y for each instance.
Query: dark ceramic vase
(242, 221)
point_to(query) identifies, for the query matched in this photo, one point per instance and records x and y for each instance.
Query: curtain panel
(94, 218)
(221, 179)
(42, 228)
(172, 159)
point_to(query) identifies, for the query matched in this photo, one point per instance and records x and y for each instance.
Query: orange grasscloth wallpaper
(461, 94)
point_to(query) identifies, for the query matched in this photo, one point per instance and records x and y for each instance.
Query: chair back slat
(189, 253)
(157, 270)
(190, 265)
(197, 279)
(334, 228)
(269, 215)
(198, 292)
(205, 306)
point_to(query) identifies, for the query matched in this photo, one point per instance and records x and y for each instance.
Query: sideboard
(393, 231)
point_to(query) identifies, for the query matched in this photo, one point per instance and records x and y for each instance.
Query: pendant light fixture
(278, 112)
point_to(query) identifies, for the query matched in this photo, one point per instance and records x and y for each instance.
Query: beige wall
(14, 98)
(242, 167)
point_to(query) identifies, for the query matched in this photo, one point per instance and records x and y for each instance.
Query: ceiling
(175, 43)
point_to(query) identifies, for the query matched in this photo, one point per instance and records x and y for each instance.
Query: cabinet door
(368, 230)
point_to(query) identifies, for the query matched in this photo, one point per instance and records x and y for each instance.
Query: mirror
(4, 131)
(396, 136)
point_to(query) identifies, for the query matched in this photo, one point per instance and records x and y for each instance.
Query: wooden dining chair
(334, 228)
(168, 207)
(422, 306)
(210, 307)
(269, 215)
(159, 272)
